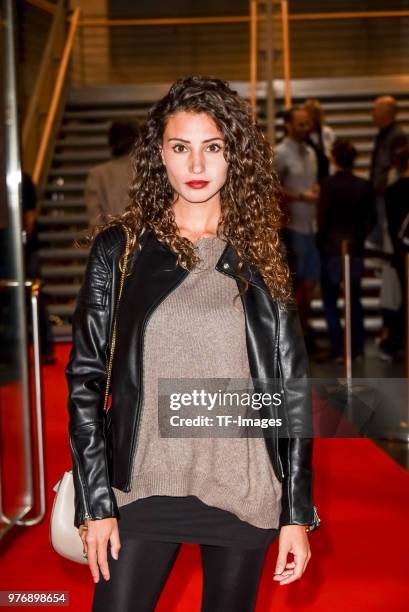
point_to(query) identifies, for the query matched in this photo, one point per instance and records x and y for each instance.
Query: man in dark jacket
(384, 114)
(346, 211)
(397, 214)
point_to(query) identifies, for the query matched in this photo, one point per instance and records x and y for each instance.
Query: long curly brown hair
(251, 215)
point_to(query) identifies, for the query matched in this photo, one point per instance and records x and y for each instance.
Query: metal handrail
(97, 22)
(253, 56)
(39, 100)
(43, 5)
(285, 16)
(56, 97)
(346, 278)
(347, 15)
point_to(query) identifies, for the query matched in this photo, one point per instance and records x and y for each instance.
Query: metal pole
(34, 287)
(253, 56)
(346, 277)
(269, 76)
(286, 53)
(35, 293)
(56, 95)
(405, 436)
(406, 302)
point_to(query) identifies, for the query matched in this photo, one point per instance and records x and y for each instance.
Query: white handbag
(64, 536)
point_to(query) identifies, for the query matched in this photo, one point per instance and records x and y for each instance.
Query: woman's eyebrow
(188, 141)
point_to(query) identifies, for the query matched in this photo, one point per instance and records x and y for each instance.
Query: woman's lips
(197, 184)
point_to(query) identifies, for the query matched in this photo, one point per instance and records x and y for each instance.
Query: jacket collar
(226, 264)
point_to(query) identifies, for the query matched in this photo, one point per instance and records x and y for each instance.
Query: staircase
(82, 143)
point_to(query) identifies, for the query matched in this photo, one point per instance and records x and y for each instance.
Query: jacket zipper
(84, 499)
(280, 374)
(278, 452)
(317, 520)
(141, 376)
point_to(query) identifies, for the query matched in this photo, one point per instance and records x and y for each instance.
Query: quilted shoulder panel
(98, 271)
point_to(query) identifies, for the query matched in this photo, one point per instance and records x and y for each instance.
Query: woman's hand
(95, 536)
(293, 539)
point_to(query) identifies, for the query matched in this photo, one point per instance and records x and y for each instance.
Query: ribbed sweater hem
(265, 514)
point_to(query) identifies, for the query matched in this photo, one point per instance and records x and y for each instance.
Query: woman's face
(192, 151)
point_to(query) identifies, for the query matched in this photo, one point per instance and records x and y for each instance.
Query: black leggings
(230, 577)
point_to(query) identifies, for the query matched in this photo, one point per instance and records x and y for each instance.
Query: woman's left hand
(292, 539)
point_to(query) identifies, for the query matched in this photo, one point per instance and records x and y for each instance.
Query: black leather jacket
(102, 448)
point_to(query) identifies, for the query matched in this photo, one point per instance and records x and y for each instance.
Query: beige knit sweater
(197, 332)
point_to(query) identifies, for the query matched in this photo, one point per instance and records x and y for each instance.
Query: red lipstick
(197, 184)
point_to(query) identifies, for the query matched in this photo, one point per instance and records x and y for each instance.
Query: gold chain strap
(113, 342)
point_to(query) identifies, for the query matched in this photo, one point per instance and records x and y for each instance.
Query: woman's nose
(197, 164)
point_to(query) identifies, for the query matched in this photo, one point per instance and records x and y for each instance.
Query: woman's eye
(178, 148)
(214, 147)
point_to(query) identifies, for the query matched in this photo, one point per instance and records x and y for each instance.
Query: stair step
(370, 282)
(91, 141)
(61, 310)
(63, 203)
(355, 105)
(370, 263)
(113, 113)
(63, 219)
(52, 272)
(60, 290)
(62, 333)
(61, 236)
(84, 128)
(355, 133)
(88, 156)
(65, 187)
(371, 324)
(368, 303)
(68, 253)
(359, 118)
(71, 171)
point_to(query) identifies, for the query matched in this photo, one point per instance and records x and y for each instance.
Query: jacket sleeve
(86, 377)
(296, 445)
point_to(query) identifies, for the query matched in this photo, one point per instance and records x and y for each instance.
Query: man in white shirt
(296, 165)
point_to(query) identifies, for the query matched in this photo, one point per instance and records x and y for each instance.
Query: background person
(346, 211)
(107, 184)
(321, 136)
(384, 114)
(397, 211)
(297, 169)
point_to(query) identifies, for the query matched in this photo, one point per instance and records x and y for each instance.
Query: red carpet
(359, 555)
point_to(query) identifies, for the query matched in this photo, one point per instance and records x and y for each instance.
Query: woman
(204, 220)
